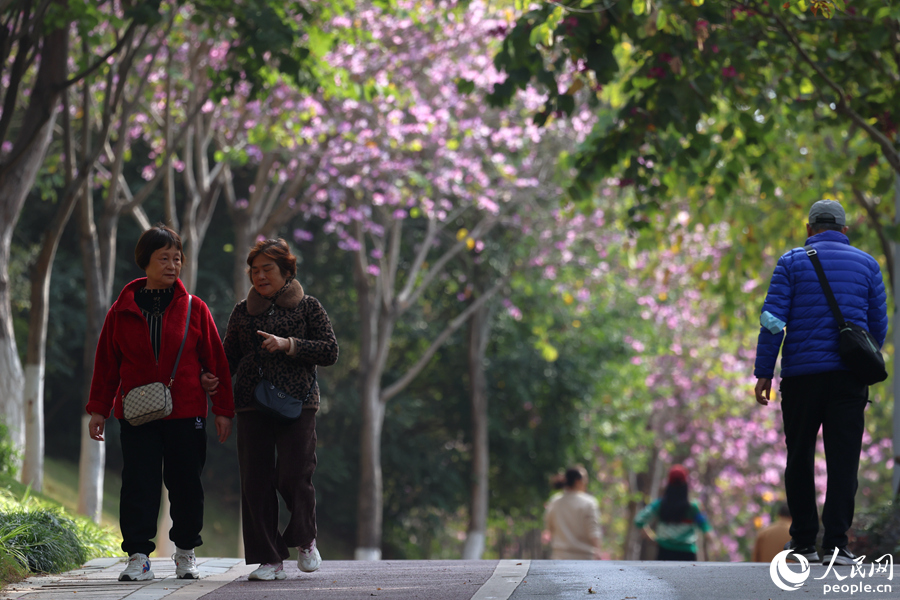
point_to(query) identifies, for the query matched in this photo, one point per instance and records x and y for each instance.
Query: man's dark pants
(836, 401)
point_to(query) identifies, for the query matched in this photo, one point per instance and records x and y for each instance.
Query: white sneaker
(268, 572)
(309, 560)
(137, 569)
(185, 564)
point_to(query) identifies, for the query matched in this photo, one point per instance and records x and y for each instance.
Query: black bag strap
(829, 295)
(183, 339)
(263, 359)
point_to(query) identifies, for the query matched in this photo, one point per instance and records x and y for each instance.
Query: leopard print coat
(292, 315)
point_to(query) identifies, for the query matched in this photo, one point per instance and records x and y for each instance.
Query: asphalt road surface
(226, 579)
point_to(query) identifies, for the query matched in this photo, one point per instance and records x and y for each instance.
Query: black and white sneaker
(843, 556)
(807, 552)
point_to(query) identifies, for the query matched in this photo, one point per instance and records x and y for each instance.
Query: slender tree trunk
(16, 180)
(243, 240)
(93, 454)
(369, 501)
(33, 466)
(479, 331)
(370, 506)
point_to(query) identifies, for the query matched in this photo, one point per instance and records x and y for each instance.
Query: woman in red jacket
(139, 345)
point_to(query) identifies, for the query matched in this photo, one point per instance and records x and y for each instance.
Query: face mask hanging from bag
(153, 401)
(857, 347)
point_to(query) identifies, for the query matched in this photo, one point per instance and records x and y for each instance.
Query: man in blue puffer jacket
(817, 389)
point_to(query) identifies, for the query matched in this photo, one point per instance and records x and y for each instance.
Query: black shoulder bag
(857, 347)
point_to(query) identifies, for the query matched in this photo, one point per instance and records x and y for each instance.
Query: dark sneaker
(843, 556)
(807, 552)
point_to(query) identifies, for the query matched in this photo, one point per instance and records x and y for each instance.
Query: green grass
(38, 534)
(61, 484)
(220, 522)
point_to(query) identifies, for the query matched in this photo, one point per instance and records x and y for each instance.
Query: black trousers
(836, 402)
(171, 451)
(276, 456)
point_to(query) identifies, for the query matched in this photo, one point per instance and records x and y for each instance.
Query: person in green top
(677, 520)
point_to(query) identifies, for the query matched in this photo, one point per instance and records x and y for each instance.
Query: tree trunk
(370, 505)
(33, 467)
(479, 331)
(93, 454)
(16, 180)
(243, 240)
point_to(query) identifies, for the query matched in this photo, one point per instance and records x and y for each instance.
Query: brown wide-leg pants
(273, 455)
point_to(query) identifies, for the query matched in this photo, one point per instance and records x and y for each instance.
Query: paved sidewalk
(226, 579)
(98, 580)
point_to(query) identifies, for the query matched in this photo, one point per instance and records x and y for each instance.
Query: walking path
(226, 579)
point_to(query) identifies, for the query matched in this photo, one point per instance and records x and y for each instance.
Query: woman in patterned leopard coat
(280, 334)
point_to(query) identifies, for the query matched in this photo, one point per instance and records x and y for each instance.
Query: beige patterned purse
(154, 400)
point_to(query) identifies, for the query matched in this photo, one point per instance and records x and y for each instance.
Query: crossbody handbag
(275, 402)
(154, 400)
(857, 347)
(278, 404)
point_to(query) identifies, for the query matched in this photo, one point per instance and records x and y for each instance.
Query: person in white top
(573, 520)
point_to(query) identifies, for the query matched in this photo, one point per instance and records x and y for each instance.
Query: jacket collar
(289, 298)
(829, 236)
(126, 301)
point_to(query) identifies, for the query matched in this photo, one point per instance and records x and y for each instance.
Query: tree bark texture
(16, 180)
(370, 507)
(479, 333)
(35, 362)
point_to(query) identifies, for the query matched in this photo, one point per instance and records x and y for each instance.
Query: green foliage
(44, 539)
(41, 540)
(10, 456)
(876, 531)
(269, 37)
(701, 87)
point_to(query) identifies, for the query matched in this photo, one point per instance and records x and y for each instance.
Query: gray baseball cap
(827, 211)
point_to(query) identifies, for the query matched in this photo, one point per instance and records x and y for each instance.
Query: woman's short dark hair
(278, 251)
(575, 474)
(158, 236)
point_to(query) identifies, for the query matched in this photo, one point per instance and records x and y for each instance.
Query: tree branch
(887, 146)
(102, 60)
(483, 226)
(419, 260)
(875, 222)
(407, 378)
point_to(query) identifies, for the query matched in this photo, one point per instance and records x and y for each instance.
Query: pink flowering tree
(684, 395)
(408, 177)
(114, 54)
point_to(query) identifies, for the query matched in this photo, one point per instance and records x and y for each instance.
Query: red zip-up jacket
(125, 357)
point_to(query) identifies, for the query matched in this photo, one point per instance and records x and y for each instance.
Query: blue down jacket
(795, 301)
